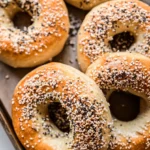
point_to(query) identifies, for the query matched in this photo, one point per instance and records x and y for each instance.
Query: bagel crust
(105, 21)
(129, 72)
(39, 42)
(86, 107)
(85, 4)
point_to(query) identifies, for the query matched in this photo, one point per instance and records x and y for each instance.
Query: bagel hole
(59, 117)
(124, 106)
(22, 20)
(122, 41)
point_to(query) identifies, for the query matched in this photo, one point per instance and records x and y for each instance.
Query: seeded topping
(48, 22)
(128, 74)
(106, 20)
(123, 75)
(5, 3)
(75, 23)
(86, 114)
(31, 6)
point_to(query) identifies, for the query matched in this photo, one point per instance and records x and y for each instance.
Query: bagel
(85, 4)
(120, 25)
(86, 111)
(129, 73)
(39, 42)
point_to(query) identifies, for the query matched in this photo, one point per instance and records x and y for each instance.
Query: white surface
(5, 143)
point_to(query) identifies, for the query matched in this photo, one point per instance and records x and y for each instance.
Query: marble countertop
(5, 143)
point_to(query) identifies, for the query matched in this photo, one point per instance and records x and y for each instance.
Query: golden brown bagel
(106, 21)
(85, 4)
(129, 72)
(85, 106)
(41, 41)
